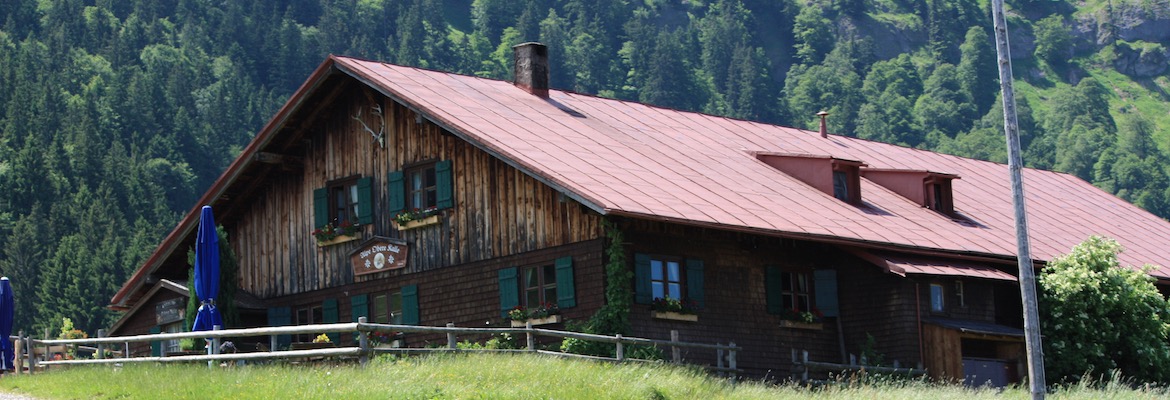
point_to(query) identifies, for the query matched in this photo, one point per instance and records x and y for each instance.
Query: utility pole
(1027, 275)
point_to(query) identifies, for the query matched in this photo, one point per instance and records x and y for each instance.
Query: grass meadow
(480, 376)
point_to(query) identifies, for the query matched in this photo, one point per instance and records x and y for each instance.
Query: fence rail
(725, 354)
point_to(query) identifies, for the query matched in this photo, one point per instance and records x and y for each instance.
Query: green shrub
(1098, 318)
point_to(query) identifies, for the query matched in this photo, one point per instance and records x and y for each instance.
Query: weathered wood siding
(736, 304)
(468, 295)
(498, 211)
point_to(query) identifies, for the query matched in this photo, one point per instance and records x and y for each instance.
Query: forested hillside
(115, 115)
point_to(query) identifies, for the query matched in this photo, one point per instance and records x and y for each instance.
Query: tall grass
(477, 376)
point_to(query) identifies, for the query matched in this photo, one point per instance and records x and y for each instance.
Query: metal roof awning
(904, 265)
(976, 327)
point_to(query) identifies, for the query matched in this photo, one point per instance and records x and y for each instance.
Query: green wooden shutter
(825, 283)
(410, 315)
(773, 289)
(156, 347)
(695, 281)
(281, 316)
(395, 192)
(444, 185)
(509, 290)
(320, 207)
(566, 291)
(329, 316)
(643, 293)
(365, 188)
(359, 306)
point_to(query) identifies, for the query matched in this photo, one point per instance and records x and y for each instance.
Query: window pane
(530, 278)
(655, 270)
(936, 298)
(429, 180)
(353, 202)
(396, 308)
(302, 316)
(550, 275)
(841, 185)
(317, 316)
(532, 298)
(550, 295)
(416, 181)
(788, 303)
(659, 290)
(802, 283)
(675, 291)
(672, 272)
(432, 199)
(802, 303)
(381, 314)
(786, 281)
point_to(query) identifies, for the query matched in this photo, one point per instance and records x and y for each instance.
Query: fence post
(17, 348)
(126, 349)
(363, 342)
(451, 337)
(32, 359)
(731, 359)
(719, 357)
(531, 337)
(804, 358)
(676, 353)
(214, 346)
(621, 350)
(101, 348)
(272, 342)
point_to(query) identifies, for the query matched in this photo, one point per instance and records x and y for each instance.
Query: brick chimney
(530, 68)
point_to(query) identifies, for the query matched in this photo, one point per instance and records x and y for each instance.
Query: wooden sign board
(379, 254)
(168, 311)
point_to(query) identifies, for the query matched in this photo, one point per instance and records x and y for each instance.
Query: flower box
(551, 319)
(417, 223)
(674, 316)
(339, 239)
(816, 326)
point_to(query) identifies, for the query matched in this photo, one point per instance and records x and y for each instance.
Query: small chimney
(824, 128)
(531, 68)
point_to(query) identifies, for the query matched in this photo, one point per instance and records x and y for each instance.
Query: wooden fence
(802, 366)
(115, 350)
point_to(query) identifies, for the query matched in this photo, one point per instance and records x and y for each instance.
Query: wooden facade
(499, 211)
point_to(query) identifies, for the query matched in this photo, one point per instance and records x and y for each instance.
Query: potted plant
(416, 218)
(547, 313)
(674, 309)
(330, 234)
(794, 318)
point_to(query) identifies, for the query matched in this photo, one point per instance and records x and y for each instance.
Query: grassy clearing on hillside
(470, 376)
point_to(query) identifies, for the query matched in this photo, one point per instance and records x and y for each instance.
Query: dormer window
(847, 181)
(931, 190)
(836, 177)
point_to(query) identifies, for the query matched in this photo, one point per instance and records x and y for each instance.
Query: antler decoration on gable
(380, 135)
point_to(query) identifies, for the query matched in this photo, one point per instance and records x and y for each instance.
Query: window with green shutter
(156, 347)
(662, 277)
(410, 310)
(566, 290)
(421, 187)
(509, 290)
(281, 316)
(349, 200)
(329, 315)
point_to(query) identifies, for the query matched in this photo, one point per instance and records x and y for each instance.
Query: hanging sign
(379, 254)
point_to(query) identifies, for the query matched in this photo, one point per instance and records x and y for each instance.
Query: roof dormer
(929, 189)
(837, 177)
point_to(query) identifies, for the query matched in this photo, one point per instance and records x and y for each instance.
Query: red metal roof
(625, 158)
(909, 265)
(633, 159)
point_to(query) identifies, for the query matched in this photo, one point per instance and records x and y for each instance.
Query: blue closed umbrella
(7, 311)
(207, 272)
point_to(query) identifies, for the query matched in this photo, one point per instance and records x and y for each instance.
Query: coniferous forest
(115, 115)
